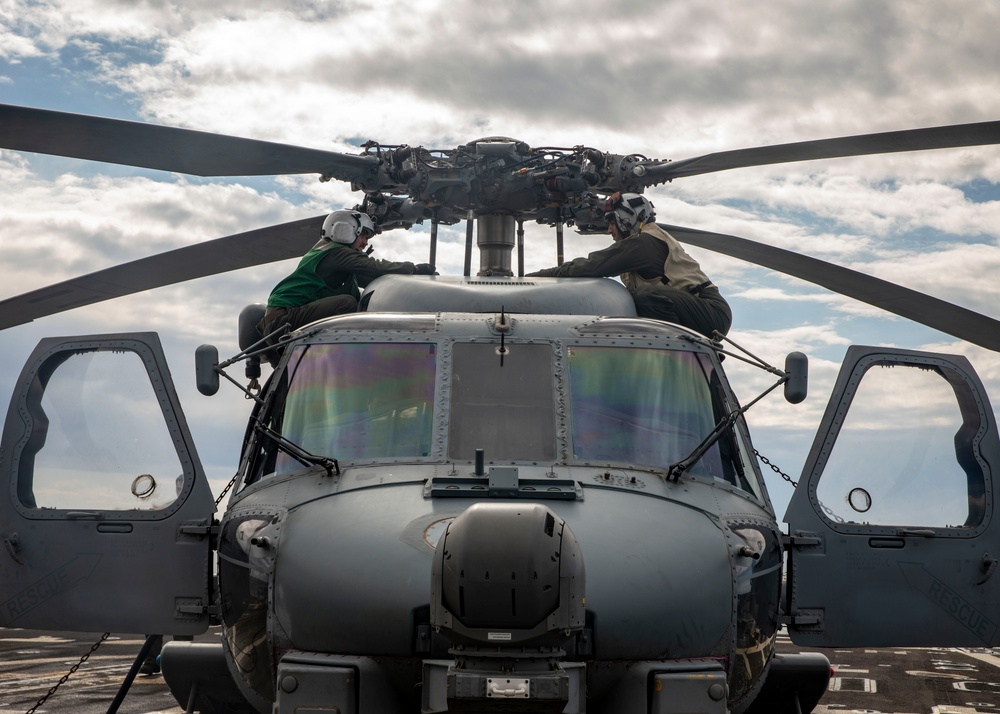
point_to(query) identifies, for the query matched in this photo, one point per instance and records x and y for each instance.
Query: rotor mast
(495, 238)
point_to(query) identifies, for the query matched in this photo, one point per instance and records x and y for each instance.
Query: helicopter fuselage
(326, 571)
(480, 495)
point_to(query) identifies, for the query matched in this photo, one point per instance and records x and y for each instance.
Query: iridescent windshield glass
(640, 406)
(358, 401)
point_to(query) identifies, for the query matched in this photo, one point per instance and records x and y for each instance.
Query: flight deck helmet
(629, 211)
(346, 226)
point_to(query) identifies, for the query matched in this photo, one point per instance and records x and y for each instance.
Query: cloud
(670, 80)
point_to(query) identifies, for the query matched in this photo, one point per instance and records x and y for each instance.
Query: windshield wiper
(675, 470)
(304, 457)
(725, 424)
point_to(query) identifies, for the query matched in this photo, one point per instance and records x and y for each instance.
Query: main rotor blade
(152, 146)
(941, 137)
(919, 307)
(242, 250)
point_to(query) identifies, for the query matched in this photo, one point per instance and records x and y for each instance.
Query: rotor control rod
(434, 242)
(467, 271)
(520, 249)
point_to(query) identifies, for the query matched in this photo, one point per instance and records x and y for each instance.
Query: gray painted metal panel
(554, 296)
(138, 569)
(894, 584)
(641, 603)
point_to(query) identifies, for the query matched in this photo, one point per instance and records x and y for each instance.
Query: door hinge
(804, 619)
(801, 539)
(196, 608)
(198, 529)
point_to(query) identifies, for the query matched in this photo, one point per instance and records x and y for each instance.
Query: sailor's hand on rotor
(424, 269)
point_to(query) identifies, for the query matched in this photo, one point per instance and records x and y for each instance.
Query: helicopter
(490, 492)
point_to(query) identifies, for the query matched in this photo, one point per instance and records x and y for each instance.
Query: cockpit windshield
(640, 406)
(600, 404)
(357, 401)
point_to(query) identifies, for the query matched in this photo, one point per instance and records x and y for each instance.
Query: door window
(98, 439)
(907, 452)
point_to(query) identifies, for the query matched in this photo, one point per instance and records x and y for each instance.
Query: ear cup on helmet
(345, 226)
(630, 211)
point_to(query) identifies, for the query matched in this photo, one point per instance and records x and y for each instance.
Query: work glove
(424, 269)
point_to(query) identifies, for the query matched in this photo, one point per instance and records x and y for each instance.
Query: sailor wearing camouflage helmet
(666, 283)
(329, 278)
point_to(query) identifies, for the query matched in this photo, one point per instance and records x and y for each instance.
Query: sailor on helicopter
(329, 276)
(666, 283)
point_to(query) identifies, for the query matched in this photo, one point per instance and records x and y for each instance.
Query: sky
(667, 79)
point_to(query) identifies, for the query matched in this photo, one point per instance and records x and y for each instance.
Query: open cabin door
(893, 526)
(106, 512)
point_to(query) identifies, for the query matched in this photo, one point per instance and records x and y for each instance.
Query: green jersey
(305, 284)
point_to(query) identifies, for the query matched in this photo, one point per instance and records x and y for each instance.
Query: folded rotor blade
(941, 137)
(919, 307)
(165, 148)
(221, 255)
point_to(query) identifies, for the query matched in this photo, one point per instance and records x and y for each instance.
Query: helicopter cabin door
(894, 535)
(106, 514)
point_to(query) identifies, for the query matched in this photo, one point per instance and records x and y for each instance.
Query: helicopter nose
(507, 590)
